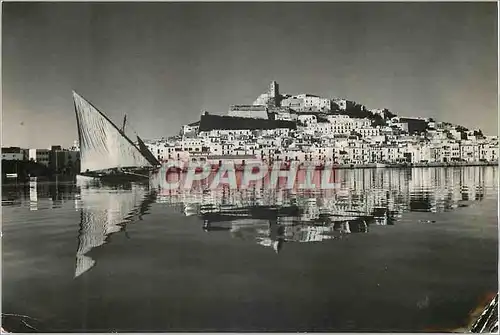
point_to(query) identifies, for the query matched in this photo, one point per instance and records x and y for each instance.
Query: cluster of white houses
(304, 127)
(309, 128)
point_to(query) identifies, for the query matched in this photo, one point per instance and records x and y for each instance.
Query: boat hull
(115, 176)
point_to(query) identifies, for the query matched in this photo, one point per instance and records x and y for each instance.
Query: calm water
(388, 250)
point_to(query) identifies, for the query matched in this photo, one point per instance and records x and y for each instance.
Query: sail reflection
(105, 210)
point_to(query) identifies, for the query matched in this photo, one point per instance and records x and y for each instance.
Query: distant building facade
(14, 154)
(307, 103)
(41, 156)
(249, 111)
(64, 160)
(191, 128)
(343, 104)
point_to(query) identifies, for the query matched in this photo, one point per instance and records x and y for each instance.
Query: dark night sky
(162, 63)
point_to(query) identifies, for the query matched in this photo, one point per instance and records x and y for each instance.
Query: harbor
(250, 167)
(382, 222)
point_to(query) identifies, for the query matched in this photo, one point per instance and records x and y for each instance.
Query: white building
(191, 144)
(283, 116)
(14, 154)
(368, 132)
(167, 150)
(307, 102)
(469, 151)
(343, 103)
(420, 152)
(226, 132)
(308, 120)
(489, 152)
(315, 102)
(450, 151)
(343, 124)
(393, 154)
(455, 134)
(325, 128)
(41, 156)
(191, 128)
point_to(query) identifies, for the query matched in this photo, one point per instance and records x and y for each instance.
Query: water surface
(388, 250)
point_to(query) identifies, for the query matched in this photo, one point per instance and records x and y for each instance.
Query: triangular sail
(102, 145)
(147, 153)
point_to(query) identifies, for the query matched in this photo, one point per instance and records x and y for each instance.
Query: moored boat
(106, 153)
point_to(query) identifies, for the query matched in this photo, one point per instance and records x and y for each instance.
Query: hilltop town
(293, 128)
(309, 128)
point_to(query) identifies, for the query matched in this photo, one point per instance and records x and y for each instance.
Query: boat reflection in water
(105, 210)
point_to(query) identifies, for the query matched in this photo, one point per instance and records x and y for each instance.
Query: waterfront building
(41, 156)
(162, 150)
(469, 151)
(419, 153)
(61, 160)
(14, 154)
(393, 154)
(488, 151)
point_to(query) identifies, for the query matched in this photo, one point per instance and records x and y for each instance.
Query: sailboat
(106, 152)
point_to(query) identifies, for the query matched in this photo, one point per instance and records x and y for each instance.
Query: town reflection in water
(270, 218)
(361, 198)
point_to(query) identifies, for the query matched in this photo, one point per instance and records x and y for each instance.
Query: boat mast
(80, 139)
(124, 122)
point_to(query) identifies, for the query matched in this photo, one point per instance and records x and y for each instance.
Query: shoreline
(320, 166)
(413, 165)
(68, 177)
